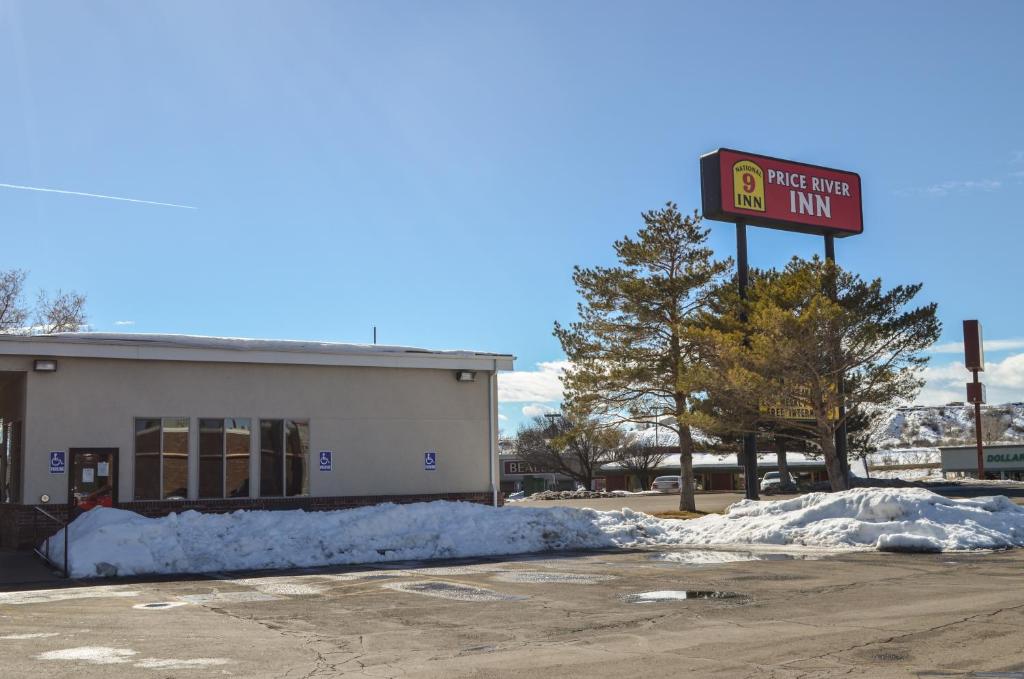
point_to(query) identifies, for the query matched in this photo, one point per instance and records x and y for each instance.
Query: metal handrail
(46, 555)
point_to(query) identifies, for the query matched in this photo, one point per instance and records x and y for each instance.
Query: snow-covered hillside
(951, 425)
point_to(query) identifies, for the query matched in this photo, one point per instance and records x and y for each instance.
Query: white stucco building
(159, 423)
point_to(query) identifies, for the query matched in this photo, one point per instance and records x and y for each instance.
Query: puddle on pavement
(159, 605)
(710, 557)
(670, 595)
(542, 577)
(453, 591)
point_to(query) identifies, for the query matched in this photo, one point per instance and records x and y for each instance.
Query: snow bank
(111, 541)
(888, 519)
(103, 539)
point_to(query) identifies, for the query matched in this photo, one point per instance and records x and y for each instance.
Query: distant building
(1001, 461)
(715, 472)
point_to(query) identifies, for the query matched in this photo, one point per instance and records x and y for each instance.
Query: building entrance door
(92, 481)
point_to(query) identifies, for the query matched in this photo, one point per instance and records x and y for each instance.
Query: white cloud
(1004, 381)
(124, 322)
(934, 397)
(537, 409)
(542, 384)
(990, 345)
(952, 186)
(502, 417)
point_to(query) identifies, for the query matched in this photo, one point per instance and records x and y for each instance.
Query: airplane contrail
(94, 195)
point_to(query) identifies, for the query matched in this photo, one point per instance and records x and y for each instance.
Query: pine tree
(808, 326)
(629, 354)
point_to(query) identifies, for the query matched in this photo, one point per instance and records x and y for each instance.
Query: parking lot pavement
(603, 614)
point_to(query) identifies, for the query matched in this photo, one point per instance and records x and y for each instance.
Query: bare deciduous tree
(64, 312)
(994, 423)
(641, 458)
(13, 313)
(576, 446)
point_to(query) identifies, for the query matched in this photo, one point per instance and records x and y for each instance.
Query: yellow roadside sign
(797, 407)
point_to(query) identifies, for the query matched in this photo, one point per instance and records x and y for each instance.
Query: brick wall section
(22, 527)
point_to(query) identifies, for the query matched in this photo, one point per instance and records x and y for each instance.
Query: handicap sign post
(430, 461)
(57, 462)
(326, 460)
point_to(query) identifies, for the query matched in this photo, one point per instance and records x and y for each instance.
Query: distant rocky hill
(952, 424)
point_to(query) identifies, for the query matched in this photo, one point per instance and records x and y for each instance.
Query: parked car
(772, 482)
(667, 484)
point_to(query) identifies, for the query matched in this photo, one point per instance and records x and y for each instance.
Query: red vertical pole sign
(977, 430)
(974, 360)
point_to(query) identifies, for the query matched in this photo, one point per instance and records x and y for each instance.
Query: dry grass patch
(678, 514)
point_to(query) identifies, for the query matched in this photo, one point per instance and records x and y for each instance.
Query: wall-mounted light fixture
(465, 375)
(44, 498)
(45, 365)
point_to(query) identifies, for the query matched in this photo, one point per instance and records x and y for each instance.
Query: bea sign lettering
(780, 194)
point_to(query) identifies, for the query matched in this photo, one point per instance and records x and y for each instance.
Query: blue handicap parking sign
(430, 460)
(325, 460)
(57, 460)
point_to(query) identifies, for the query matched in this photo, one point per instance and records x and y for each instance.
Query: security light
(44, 498)
(45, 365)
(465, 376)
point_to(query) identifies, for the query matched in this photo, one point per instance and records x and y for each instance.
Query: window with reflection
(161, 458)
(224, 457)
(147, 459)
(284, 458)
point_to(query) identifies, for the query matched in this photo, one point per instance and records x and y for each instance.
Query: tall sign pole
(974, 359)
(749, 460)
(841, 441)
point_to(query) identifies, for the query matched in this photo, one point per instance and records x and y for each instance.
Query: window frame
(223, 458)
(160, 456)
(283, 471)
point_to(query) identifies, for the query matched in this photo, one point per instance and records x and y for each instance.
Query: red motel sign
(780, 194)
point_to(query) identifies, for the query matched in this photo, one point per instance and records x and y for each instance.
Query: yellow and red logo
(748, 185)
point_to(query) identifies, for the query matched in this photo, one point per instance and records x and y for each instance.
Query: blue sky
(437, 169)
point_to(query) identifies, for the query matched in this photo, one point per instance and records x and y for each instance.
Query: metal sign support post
(749, 440)
(977, 432)
(841, 444)
(974, 360)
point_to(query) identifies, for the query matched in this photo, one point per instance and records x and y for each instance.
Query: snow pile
(888, 519)
(106, 541)
(111, 541)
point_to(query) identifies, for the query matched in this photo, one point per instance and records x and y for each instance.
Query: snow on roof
(240, 349)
